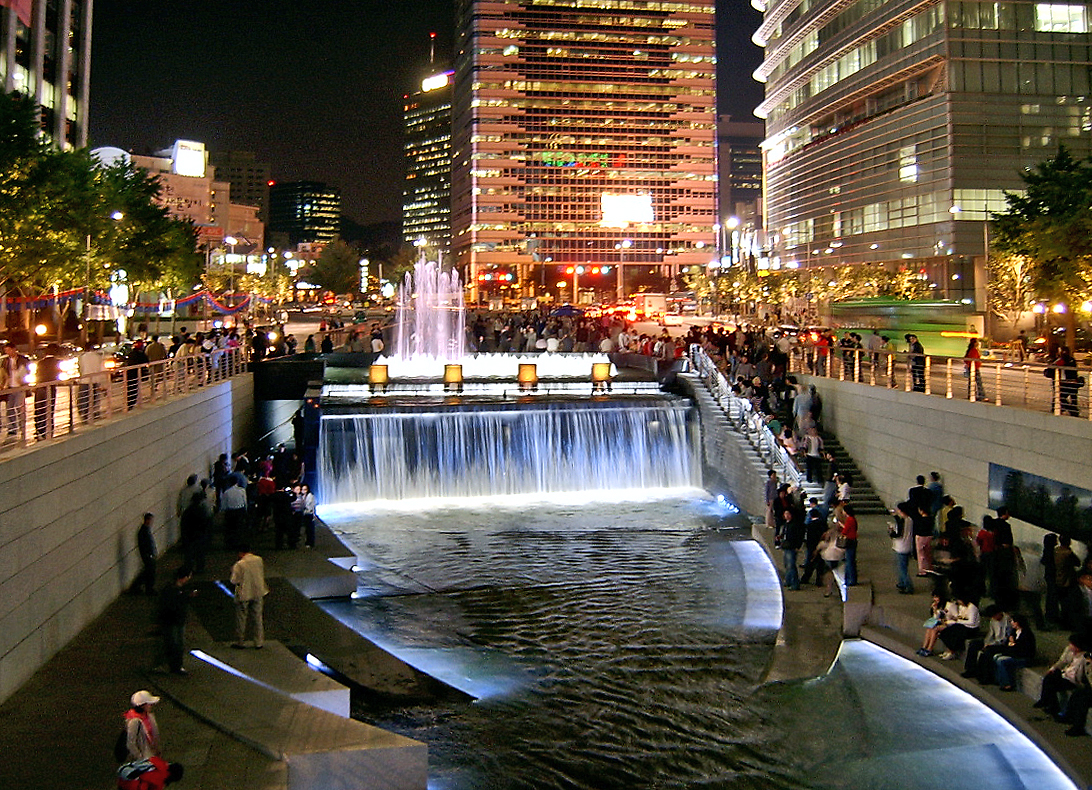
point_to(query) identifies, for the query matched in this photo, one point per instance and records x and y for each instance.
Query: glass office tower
(45, 53)
(426, 196)
(894, 127)
(584, 136)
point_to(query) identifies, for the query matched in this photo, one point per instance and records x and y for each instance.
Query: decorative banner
(22, 9)
(98, 298)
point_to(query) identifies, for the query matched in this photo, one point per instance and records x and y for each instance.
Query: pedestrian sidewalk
(876, 611)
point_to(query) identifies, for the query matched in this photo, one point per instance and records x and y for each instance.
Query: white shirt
(248, 576)
(233, 498)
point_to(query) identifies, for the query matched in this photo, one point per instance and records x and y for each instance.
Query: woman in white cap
(141, 730)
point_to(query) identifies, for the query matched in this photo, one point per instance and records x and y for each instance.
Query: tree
(1010, 289)
(337, 268)
(1050, 224)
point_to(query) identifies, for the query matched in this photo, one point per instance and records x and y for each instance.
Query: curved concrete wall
(895, 435)
(69, 512)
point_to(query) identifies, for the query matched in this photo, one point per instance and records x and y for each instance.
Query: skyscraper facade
(426, 199)
(45, 53)
(584, 135)
(248, 177)
(305, 211)
(893, 128)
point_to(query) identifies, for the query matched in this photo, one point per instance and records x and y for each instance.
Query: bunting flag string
(47, 300)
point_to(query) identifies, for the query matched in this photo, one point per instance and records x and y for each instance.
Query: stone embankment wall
(895, 435)
(69, 513)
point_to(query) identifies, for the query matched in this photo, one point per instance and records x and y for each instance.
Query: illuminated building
(584, 134)
(45, 53)
(893, 128)
(306, 211)
(426, 206)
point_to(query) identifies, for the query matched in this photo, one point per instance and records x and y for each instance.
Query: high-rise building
(584, 136)
(894, 128)
(426, 198)
(248, 177)
(45, 53)
(306, 211)
(739, 168)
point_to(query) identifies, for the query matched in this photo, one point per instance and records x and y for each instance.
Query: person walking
(248, 576)
(174, 603)
(815, 524)
(141, 729)
(13, 375)
(916, 358)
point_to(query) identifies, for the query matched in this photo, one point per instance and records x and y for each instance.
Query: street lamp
(232, 241)
(117, 216)
(622, 246)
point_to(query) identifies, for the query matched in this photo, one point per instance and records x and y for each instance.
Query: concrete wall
(69, 512)
(895, 435)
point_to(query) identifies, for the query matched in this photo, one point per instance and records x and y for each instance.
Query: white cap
(143, 698)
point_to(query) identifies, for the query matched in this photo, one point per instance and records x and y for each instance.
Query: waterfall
(492, 450)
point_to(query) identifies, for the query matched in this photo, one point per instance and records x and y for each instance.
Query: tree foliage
(1010, 289)
(1049, 225)
(337, 268)
(68, 221)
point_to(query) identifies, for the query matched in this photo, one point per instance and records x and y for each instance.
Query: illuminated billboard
(188, 158)
(436, 81)
(621, 211)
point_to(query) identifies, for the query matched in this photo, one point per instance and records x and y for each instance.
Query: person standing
(813, 453)
(147, 551)
(48, 373)
(771, 496)
(136, 358)
(174, 603)
(792, 538)
(815, 524)
(849, 533)
(307, 505)
(916, 360)
(195, 527)
(902, 543)
(972, 370)
(233, 504)
(141, 729)
(90, 388)
(920, 500)
(248, 576)
(13, 375)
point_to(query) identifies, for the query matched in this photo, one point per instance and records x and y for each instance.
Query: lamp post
(231, 241)
(117, 216)
(622, 246)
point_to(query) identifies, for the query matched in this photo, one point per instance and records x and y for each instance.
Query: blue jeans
(1005, 669)
(792, 577)
(851, 562)
(902, 565)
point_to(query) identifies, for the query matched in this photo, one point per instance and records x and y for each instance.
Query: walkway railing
(49, 410)
(1001, 383)
(745, 418)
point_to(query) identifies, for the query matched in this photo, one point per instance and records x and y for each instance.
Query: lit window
(1059, 18)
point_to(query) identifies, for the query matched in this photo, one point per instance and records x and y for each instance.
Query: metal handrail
(1003, 383)
(745, 418)
(44, 411)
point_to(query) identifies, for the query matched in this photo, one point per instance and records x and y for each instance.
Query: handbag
(932, 622)
(840, 541)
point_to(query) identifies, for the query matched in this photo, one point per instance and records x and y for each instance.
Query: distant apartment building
(739, 168)
(893, 128)
(426, 197)
(45, 53)
(304, 211)
(249, 179)
(584, 136)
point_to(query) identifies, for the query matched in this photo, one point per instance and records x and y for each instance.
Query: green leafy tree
(337, 268)
(1050, 224)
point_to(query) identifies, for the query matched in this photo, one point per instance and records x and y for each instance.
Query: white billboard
(621, 211)
(188, 158)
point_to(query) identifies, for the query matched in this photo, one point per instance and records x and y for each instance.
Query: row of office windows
(969, 15)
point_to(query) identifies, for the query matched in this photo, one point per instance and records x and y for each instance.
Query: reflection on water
(606, 642)
(619, 645)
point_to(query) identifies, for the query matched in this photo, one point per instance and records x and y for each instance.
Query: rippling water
(609, 644)
(619, 645)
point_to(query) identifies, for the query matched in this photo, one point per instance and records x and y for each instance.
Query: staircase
(864, 497)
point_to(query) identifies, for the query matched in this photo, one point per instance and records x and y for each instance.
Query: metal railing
(49, 410)
(745, 418)
(998, 382)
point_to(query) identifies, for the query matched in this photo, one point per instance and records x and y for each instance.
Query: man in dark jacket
(174, 603)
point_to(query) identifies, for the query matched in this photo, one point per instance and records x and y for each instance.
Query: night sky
(314, 88)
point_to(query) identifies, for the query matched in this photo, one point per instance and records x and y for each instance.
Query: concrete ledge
(323, 751)
(278, 669)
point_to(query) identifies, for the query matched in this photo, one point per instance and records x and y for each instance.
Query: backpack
(121, 746)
